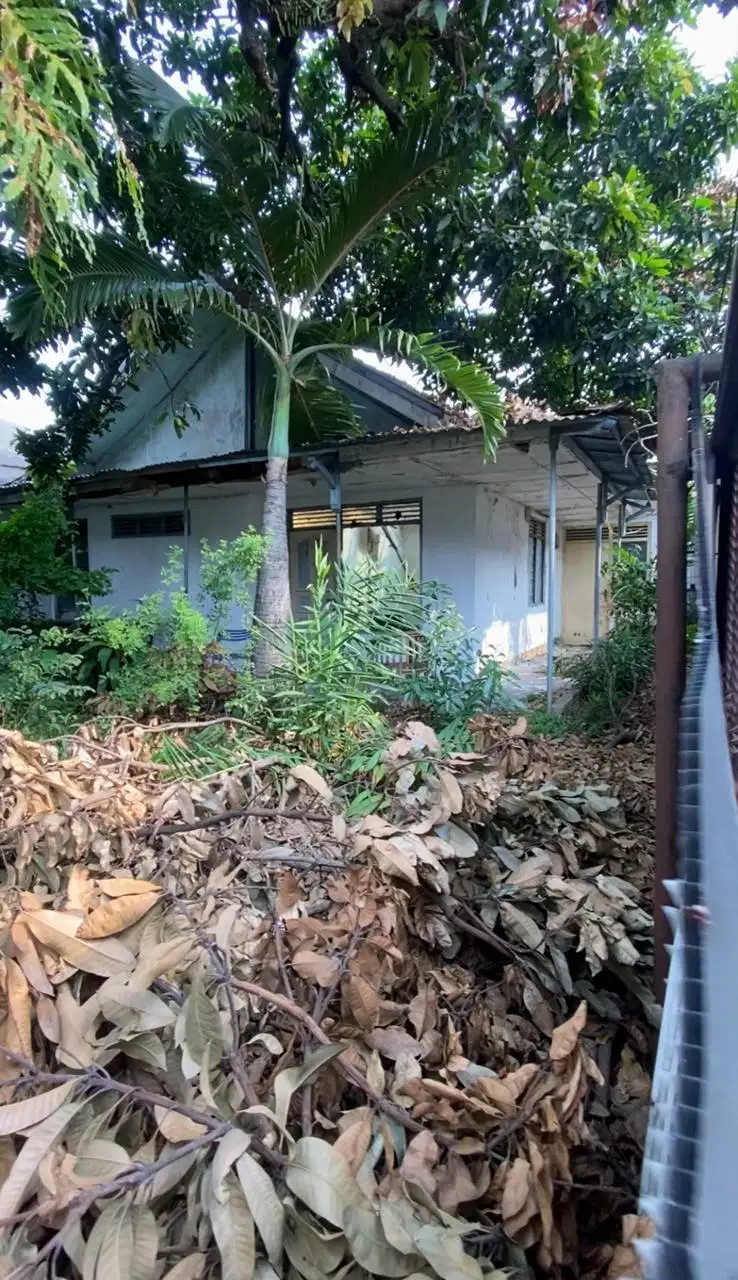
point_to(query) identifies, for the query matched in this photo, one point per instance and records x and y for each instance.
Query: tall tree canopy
(583, 236)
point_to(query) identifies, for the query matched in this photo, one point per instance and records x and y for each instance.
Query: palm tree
(292, 257)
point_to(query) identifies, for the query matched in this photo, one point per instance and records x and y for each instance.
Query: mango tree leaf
(57, 930)
(100, 1160)
(202, 1025)
(164, 1180)
(189, 1268)
(445, 1252)
(31, 1111)
(123, 1244)
(233, 1228)
(39, 1139)
(160, 959)
(146, 1048)
(293, 1078)
(265, 1205)
(321, 1178)
(115, 916)
(141, 1010)
(229, 1149)
(369, 1245)
(312, 1253)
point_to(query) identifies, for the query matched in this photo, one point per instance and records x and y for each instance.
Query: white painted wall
(139, 561)
(507, 624)
(143, 434)
(474, 540)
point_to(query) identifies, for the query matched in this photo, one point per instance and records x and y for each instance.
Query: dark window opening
(536, 562)
(155, 524)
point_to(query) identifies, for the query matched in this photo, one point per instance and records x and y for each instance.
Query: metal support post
(553, 445)
(673, 473)
(186, 547)
(601, 509)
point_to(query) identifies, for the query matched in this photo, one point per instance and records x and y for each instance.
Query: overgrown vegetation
(449, 682)
(36, 557)
(164, 655)
(42, 690)
(620, 668)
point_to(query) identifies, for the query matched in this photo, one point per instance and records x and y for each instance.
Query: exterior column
(553, 445)
(601, 509)
(186, 548)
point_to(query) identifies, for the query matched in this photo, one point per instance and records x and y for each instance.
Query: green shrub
(227, 573)
(334, 681)
(155, 657)
(621, 665)
(448, 683)
(41, 692)
(35, 557)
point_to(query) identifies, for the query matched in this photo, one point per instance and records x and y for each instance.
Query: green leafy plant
(448, 683)
(54, 105)
(41, 689)
(621, 665)
(164, 653)
(227, 573)
(336, 673)
(162, 644)
(35, 557)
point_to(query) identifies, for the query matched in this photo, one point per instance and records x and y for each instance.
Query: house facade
(412, 490)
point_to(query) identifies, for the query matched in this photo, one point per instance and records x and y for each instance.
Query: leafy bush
(163, 653)
(227, 572)
(621, 665)
(334, 681)
(448, 684)
(41, 692)
(35, 557)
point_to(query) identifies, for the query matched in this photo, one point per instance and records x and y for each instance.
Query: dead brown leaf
(566, 1037)
(118, 914)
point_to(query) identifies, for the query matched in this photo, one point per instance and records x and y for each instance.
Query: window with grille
(387, 534)
(154, 524)
(536, 562)
(367, 514)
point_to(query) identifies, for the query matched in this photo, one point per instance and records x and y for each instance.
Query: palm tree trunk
(272, 608)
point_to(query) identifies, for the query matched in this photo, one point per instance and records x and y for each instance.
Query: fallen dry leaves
(416, 1044)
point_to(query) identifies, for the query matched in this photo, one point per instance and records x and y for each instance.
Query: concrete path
(529, 678)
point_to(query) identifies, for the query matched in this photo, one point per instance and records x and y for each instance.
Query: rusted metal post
(673, 471)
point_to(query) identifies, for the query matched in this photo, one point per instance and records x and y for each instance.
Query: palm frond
(383, 182)
(319, 408)
(176, 120)
(122, 274)
(468, 381)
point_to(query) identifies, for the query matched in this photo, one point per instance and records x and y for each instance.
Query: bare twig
(179, 828)
(182, 724)
(97, 1079)
(130, 1180)
(483, 935)
(283, 973)
(349, 1071)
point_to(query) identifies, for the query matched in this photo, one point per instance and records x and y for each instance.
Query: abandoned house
(411, 489)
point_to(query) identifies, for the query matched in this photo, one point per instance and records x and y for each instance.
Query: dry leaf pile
(241, 1037)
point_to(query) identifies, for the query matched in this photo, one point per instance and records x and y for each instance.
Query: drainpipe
(553, 445)
(601, 509)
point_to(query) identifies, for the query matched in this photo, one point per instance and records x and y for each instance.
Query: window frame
(537, 557)
(161, 517)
